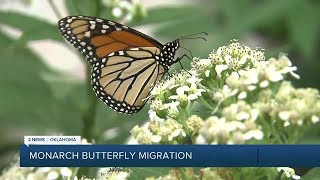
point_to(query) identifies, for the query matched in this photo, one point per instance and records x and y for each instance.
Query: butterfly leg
(179, 59)
(188, 51)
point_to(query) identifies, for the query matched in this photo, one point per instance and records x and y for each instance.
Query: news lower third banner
(170, 155)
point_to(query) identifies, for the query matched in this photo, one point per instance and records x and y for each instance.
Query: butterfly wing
(96, 38)
(124, 79)
(123, 60)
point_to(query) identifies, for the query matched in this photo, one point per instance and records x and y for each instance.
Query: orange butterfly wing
(97, 38)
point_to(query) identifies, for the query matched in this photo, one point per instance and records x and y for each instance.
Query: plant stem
(89, 114)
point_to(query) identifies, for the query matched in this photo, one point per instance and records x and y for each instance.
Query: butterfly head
(168, 52)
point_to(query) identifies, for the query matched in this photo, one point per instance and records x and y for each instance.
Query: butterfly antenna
(193, 38)
(194, 34)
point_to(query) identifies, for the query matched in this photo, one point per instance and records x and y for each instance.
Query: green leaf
(33, 28)
(27, 99)
(72, 8)
(167, 14)
(313, 174)
(304, 26)
(25, 96)
(67, 113)
(84, 7)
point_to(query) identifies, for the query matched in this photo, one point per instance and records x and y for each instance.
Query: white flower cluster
(289, 172)
(235, 127)
(261, 75)
(235, 96)
(26, 173)
(244, 96)
(125, 10)
(227, 59)
(175, 174)
(174, 93)
(296, 106)
(168, 132)
(115, 175)
(45, 173)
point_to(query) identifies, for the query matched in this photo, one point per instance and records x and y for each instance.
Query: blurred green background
(37, 99)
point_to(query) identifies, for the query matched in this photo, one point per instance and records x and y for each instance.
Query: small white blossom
(264, 84)
(117, 12)
(173, 105)
(226, 92)
(180, 92)
(154, 117)
(220, 68)
(272, 74)
(242, 116)
(176, 133)
(125, 10)
(242, 95)
(315, 119)
(256, 134)
(156, 138)
(249, 76)
(284, 115)
(65, 172)
(289, 172)
(52, 175)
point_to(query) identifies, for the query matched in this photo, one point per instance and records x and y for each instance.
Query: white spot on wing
(93, 26)
(99, 20)
(87, 34)
(110, 22)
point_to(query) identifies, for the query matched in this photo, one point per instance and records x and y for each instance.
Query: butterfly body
(126, 63)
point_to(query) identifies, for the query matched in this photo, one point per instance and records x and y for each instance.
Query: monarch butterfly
(126, 63)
